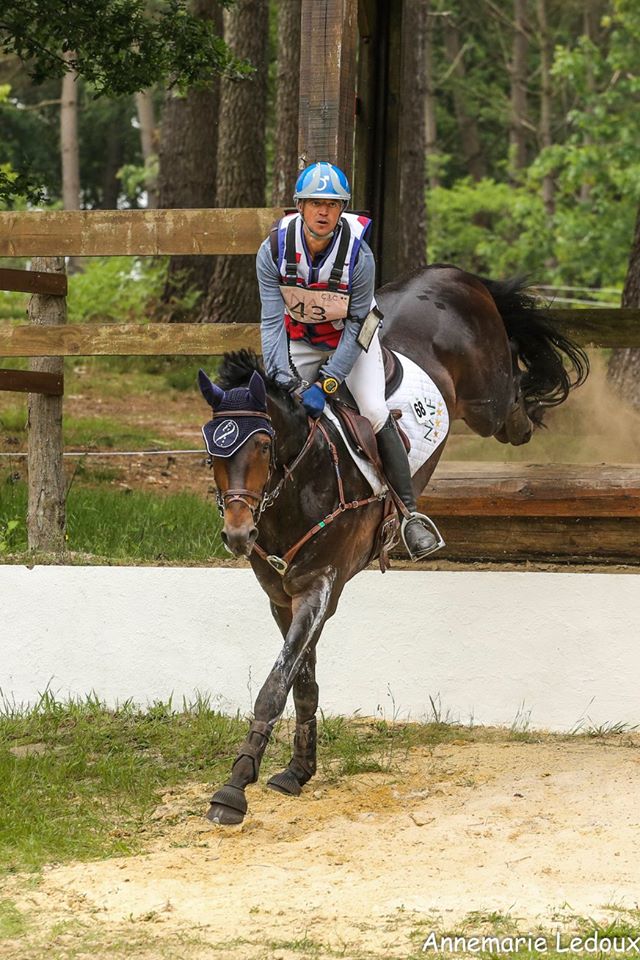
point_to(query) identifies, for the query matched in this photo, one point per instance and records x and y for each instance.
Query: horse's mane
(236, 369)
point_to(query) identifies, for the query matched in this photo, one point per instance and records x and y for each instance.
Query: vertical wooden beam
(366, 109)
(388, 139)
(46, 517)
(328, 53)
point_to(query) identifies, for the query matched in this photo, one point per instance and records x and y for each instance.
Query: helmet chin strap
(319, 236)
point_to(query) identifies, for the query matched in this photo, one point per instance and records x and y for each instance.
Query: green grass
(12, 921)
(495, 924)
(91, 432)
(120, 525)
(77, 781)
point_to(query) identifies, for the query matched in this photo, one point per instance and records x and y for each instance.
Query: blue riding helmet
(322, 181)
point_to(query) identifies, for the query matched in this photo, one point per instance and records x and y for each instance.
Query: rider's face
(321, 216)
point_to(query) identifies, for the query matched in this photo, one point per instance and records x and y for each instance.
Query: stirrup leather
(430, 525)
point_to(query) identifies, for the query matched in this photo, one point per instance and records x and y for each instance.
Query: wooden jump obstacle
(488, 511)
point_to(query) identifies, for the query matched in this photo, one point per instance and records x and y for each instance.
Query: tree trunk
(412, 239)
(233, 290)
(431, 129)
(146, 119)
(70, 149)
(518, 100)
(285, 163)
(113, 161)
(46, 514)
(624, 366)
(589, 30)
(546, 55)
(469, 137)
(188, 168)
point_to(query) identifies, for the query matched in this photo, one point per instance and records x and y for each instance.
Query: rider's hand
(313, 400)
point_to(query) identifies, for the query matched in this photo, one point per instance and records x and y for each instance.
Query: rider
(320, 320)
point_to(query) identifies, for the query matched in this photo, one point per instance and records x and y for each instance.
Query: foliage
(119, 46)
(497, 227)
(115, 288)
(15, 185)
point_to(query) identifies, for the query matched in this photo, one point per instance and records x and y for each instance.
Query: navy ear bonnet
(223, 436)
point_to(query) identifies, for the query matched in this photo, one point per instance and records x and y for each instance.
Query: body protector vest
(317, 297)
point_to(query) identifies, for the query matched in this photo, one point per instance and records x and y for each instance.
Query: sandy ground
(538, 833)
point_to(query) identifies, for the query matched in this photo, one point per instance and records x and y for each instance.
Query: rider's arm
(275, 350)
(363, 285)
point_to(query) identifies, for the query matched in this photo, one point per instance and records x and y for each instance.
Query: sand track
(366, 867)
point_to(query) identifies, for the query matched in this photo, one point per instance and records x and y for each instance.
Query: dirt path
(472, 835)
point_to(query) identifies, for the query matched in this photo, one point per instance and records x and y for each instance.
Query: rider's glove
(313, 400)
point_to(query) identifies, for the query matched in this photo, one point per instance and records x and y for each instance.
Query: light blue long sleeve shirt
(272, 329)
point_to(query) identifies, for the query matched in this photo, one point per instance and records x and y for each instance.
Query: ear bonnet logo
(226, 433)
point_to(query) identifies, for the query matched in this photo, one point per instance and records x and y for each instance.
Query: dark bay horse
(291, 491)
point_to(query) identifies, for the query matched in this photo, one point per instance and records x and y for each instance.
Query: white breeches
(366, 380)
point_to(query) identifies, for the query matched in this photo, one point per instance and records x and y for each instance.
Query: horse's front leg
(313, 602)
(302, 765)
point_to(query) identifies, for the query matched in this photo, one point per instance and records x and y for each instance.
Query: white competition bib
(315, 306)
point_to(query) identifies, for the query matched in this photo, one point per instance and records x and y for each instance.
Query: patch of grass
(78, 780)
(134, 375)
(122, 524)
(89, 432)
(352, 746)
(496, 924)
(12, 922)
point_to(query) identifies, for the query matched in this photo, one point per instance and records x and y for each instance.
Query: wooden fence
(488, 511)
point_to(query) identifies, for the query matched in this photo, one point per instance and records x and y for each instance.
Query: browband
(241, 413)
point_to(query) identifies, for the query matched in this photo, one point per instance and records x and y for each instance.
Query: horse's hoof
(285, 782)
(228, 806)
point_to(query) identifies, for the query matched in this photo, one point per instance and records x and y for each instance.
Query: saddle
(358, 429)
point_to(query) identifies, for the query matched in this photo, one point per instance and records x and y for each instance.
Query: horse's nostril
(253, 535)
(224, 537)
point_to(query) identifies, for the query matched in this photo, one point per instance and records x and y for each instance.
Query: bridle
(266, 497)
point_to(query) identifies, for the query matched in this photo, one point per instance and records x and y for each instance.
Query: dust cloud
(595, 425)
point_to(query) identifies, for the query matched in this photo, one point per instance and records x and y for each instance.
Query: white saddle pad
(425, 420)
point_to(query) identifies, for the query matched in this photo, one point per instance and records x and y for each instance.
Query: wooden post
(328, 51)
(46, 516)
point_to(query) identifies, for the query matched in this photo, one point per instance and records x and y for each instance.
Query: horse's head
(520, 422)
(239, 440)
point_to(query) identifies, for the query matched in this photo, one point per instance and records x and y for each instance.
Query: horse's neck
(311, 492)
(291, 431)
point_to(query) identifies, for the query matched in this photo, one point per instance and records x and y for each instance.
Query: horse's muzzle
(239, 540)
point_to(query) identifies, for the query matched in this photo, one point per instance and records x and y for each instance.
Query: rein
(281, 564)
(267, 498)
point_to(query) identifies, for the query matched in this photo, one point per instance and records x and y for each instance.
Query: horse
(295, 503)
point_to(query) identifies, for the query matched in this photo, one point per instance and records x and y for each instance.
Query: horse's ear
(210, 391)
(258, 390)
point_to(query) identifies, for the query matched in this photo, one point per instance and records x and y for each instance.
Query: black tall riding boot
(420, 534)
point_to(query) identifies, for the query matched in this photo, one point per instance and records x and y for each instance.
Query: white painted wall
(550, 648)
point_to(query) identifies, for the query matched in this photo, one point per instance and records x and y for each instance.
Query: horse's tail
(553, 364)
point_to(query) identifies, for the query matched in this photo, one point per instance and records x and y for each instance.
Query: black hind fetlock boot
(420, 535)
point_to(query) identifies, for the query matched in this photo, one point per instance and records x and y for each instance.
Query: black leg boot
(420, 534)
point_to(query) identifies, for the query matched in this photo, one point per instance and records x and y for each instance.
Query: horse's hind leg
(314, 603)
(302, 765)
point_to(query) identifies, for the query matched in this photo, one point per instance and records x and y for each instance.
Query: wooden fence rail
(155, 339)
(108, 233)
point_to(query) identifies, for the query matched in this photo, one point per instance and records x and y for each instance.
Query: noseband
(266, 497)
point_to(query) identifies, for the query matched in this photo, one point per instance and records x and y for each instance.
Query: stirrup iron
(430, 525)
